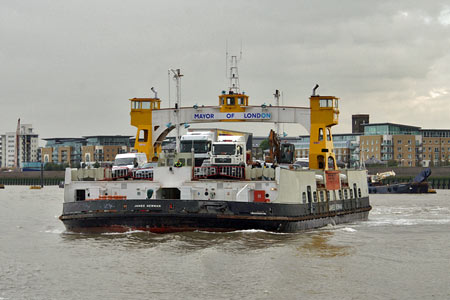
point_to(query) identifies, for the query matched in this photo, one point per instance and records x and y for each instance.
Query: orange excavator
(279, 153)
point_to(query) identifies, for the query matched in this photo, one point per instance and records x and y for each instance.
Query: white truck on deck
(203, 139)
(229, 151)
(201, 142)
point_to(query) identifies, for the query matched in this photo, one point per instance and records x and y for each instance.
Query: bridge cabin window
(328, 134)
(320, 134)
(146, 105)
(230, 101)
(326, 103)
(241, 101)
(135, 105)
(304, 197)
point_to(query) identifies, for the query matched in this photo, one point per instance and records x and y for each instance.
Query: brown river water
(402, 252)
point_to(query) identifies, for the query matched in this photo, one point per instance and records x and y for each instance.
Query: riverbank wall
(31, 178)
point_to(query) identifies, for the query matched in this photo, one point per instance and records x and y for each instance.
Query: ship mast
(177, 76)
(233, 74)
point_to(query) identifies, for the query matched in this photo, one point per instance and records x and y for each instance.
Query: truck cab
(201, 143)
(229, 151)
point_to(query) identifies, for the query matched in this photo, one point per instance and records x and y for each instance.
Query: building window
(399, 142)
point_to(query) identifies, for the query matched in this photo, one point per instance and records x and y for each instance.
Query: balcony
(386, 150)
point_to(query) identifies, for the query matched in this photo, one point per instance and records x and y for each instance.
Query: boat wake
(124, 233)
(348, 229)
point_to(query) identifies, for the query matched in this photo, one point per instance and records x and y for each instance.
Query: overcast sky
(69, 67)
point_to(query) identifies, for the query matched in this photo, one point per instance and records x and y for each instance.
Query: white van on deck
(125, 162)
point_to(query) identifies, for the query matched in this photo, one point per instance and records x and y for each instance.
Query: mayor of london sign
(232, 116)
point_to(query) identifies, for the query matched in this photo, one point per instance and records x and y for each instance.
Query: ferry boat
(179, 196)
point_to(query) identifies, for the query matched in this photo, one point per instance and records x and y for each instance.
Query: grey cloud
(69, 67)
